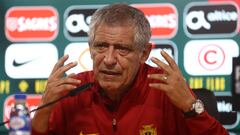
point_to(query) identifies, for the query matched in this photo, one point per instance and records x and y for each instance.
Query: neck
(115, 95)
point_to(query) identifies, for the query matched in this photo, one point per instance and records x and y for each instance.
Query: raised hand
(57, 84)
(172, 83)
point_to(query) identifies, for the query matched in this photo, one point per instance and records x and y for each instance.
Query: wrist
(189, 104)
(196, 109)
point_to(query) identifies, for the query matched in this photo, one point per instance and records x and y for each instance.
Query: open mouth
(110, 72)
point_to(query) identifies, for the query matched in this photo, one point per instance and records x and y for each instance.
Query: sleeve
(204, 124)
(56, 124)
(34, 132)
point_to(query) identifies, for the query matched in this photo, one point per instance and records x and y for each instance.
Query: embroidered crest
(148, 130)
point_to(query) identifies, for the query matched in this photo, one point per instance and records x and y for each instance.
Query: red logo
(31, 24)
(32, 102)
(163, 19)
(211, 57)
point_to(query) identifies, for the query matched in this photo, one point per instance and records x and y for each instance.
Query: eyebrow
(124, 46)
(115, 44)
(99, 42)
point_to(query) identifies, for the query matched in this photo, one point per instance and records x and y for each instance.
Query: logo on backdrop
(164, 22)
(168, 46)
(31, 23)
(210, 57)
(211, 19)
(236, 82)
(228, 117)
(77, 20)
(79, 52)
(32, 102)
(30, 60)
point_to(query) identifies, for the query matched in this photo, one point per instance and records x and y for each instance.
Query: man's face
(115, 59)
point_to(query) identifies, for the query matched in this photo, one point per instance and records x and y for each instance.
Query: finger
(72, 75)
(162, 65)
(159, 86)
(64, 89)
(67, 87)
(68, 81)
(161, 77)
(52, 92)
(60, 72)
(60, 63)
(170, 60)
(54, 82)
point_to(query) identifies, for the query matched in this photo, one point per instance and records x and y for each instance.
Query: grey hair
(120, 15)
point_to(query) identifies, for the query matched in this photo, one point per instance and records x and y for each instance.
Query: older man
(128, 96)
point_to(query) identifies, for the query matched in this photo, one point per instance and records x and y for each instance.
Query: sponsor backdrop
(202, 36)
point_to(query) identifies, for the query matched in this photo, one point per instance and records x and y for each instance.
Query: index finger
(60, 71)
(170, 60)
(166, 68)
(60, 63)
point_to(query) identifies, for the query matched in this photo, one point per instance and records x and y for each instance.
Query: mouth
(112, 73)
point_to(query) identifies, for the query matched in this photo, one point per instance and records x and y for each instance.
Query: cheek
(133, 68)
(130, 66)
(97, 59)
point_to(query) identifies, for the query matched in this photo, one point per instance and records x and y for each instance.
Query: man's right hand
(57, 86)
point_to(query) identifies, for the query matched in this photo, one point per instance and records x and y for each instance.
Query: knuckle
(61, 70)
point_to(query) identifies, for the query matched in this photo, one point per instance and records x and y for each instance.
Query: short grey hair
(119, 15)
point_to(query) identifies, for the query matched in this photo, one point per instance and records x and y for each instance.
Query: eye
(123, 50)
(100, 47)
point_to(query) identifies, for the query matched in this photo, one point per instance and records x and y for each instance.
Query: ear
(146, 52)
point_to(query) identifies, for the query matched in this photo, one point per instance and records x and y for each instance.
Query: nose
(110, 58)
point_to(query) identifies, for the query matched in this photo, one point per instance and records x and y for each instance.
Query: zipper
(114, 124)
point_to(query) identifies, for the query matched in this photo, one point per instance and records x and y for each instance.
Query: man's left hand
(172, 83)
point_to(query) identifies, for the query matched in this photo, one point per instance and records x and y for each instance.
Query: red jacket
(141, 111)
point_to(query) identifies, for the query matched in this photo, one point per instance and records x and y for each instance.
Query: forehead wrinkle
(115, 44)
(113, 37)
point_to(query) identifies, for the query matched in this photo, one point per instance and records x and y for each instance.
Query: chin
(110, 85)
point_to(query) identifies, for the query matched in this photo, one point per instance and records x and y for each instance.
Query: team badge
(148, 130)
(81, 133)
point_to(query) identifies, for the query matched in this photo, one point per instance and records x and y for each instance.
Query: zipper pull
(114, 124)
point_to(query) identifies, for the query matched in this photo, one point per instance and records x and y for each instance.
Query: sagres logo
(158, 46)
(79, 52)
(210, 57)
(30, 60)
(32, 102)
(77, 19)
(31, 23)
(163, 19)
(211, 19)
